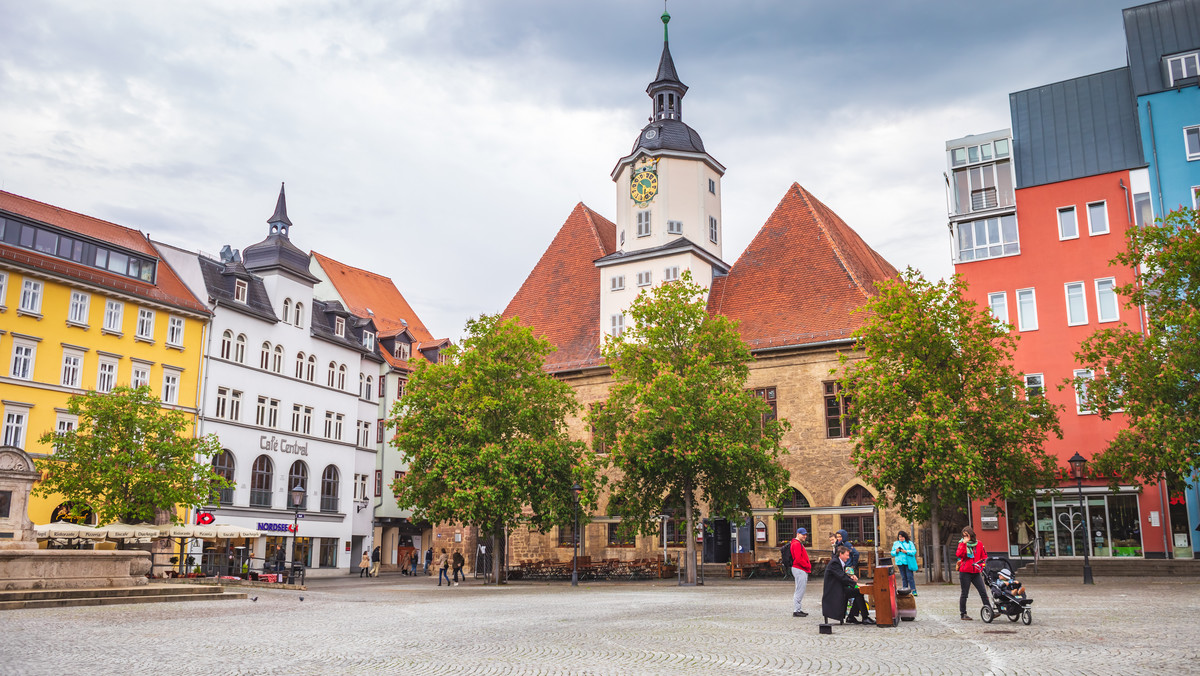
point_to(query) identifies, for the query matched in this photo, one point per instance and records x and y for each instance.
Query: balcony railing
(329, 503)
(259, 498)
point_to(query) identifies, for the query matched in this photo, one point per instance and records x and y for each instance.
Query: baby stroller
(1008, 596)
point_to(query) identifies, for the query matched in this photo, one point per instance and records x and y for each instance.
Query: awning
(124, 531)
(62, 530)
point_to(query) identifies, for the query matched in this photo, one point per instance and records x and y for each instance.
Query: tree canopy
(485, 435)
(127, 458)
(1153, 377)
(679, 422)
(940, 410)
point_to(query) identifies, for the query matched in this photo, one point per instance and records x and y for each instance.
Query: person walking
(459, 561)
(364, 566)
(443, 564)
(375, 557)
(837, 582)
(412, 560)
(971, 559)
(801, 567)
(428, 559)
(904, 553)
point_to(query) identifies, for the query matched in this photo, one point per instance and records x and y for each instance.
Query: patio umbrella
(235, 532)
(62, 530)
(124, 531)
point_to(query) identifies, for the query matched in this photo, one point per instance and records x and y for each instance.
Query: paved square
(395, 625)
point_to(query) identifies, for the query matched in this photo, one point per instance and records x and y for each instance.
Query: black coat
(833, 598)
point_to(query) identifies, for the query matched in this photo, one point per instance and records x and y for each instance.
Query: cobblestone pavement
(397, 625)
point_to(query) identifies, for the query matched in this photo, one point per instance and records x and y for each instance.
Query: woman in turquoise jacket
(904, 553)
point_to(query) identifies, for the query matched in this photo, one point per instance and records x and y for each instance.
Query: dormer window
(339, 327)
(369, 340)
(1183, 66)
(402, 350)
(240, 291)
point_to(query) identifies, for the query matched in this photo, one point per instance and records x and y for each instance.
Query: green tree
(485, 435)
(940, 411)
(127, 458)
(679, 423)
(1152, 377)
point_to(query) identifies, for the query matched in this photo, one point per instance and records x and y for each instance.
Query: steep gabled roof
(800, 278)
(371, 295)
(560, 298)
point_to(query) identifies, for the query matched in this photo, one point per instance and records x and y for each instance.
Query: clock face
(643, 185)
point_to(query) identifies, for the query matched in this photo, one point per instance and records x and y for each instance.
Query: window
(1191, 141)
(301, 419)
(106, 375)
(175, 331)
(1082, 378)
(311, 373)
(618, 325)
(226, 344)
(566, 536)
(114, 312)
(364, 434)
(674, 227)
(267, 412)
(239, 349)
(170, 388)
(360, 486)
(1106, 300)
(260, 412)
(644, 278)
(643, 223)
(1035, 385)
(339, 326)
(839, 424)
(3, 282)
(618, 539)
(328, 424)
(222, 464)
(287, 309)
(403, 350)
(622, 238)
(671, 274)
(1195, 205)
(1143, 212)
(712, 229)
(1097, 218)
(998, 302)
(145, 324)
(298, 315)
(1182, 67)
(329, 489)
(14, 426)
(299, 364)
(140, 375)
(1076, 305)
(338, 419)
(379, 431)
(277, 359)
(260, 482)
(341, 379)
(235, 404)
(222, 402)
(767, 394)
(983, 187)
(369, 340)
(66, 423)
(31, 297)
(240, 291)
(1067, 227)
(981, 153)
(77, 313)
(400, 384)
(22, 361)
(988, 238)
(327, 549)
(712, 186)
(264, 357)
(785, 527)
(1026, 310)
(331, 374)
(72, 368)
(368, 388)
(298, 478)
(378, 482)
(860, 529)
(617, 283)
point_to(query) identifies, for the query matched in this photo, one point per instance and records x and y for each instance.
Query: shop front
(1106, 524)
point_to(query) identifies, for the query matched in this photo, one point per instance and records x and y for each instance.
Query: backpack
(785, 555)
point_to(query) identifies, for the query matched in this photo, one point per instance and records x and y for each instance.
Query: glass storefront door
(1107, 525)
(1068, 528)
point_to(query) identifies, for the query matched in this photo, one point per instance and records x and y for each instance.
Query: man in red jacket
(801, 567)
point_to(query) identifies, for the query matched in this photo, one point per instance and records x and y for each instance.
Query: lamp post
(1078, 465)
(576, 489)
(297, 501)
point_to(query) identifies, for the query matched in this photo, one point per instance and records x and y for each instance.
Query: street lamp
(1078, 465)
(297, 501)
(576, 489)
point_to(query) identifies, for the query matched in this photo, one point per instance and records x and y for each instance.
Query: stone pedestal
(17, 475)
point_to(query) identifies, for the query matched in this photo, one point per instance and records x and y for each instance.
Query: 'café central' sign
(281, 445)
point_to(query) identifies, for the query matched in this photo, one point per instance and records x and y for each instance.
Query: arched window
(260, 482)
(785, 526)
(298, 476)
(299, 320)
(332, 377)
(287, 309)
(860, 528)
(341, 381)
(795, 499)
(361, 380)
(264, 360)
(226, 344)
(299, 364)
(312, 368)
(222, 464)
(370, 389)
(239, 349)
(277, 361)
(329, 489)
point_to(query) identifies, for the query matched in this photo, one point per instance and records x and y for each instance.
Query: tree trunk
(936, 537)
(499, 545)
(690, 515)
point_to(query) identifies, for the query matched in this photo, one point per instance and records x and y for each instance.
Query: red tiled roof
(561, 296)
(361, 289)
(168, 288)
(800, 278)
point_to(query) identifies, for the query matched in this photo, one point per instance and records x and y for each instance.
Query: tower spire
(666, 18)
(279, 221)
(666, 91)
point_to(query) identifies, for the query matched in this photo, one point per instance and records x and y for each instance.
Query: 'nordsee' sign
(281, 445)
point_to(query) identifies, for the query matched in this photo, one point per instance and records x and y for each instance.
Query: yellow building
(86, 305)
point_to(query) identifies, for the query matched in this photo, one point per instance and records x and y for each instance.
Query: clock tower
(668, 204)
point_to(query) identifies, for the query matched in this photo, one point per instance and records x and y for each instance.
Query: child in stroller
(1008, 594)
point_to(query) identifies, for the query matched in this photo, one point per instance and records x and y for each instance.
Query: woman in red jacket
(971, 559)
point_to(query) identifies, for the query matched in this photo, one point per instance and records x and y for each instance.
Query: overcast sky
(444, 143)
